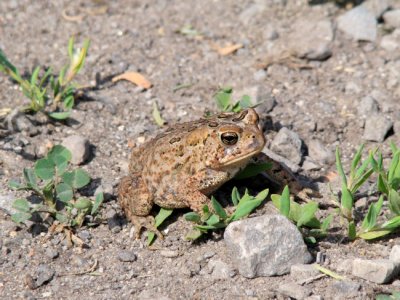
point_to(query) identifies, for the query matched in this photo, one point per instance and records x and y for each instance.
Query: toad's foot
(145, 222)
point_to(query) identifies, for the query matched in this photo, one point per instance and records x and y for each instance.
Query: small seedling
(216, 217)
(224, 101)
(55, 187)
(52, 95)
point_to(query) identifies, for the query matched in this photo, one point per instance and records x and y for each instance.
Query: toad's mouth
(240, 159)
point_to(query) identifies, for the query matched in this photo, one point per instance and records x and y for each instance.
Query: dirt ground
(317, 99)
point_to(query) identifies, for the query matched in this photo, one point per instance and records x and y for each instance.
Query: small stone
(127, 256)
(302, 272)
(367, 107)
(316, 44)
(344, 289)
(377, 7)
(392, 18)
(258, 247)
(310, 165)
(395, 255)
(85, 236)
(376, 128)
(169, 253)
(288, 144)
(359, 23)
(220, 269)
(390, 42)
(378, 270)
(260, 75)
(113, 221)
(79, 147)
(294, 290)
(6, 201)
(51, 253)
(44, 275)
(319, 152)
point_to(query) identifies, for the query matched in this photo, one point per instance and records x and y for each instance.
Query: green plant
(394, 296)
(216, 217)
(55, 187)
(302, 215)
(53, 95)
(224, 102)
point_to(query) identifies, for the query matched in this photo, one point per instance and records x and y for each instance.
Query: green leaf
(157, 116)
(310, 240)
(83, 203)
(262, 195)
(223, 98)
(206, 213)
(373, 211)
(284, 207)
(307, 213)
(393, 223)
(60, 115)
(326, 223)
(346, 202)
(44, 169)
(20, 217)
(212, 220)
(210, 227)
(235, 196)
(252, 170)
(62, 218)
(21, 205)
(339, 167)
(394, 202)
(159, 219)
(97, 202)
(371, 235)
(77, 178)
(30, 178)
(193, 235)
(35, 75)
(68, 102)
(352, 231)
(361, 181)
(356, 159)
(393, 166)
(219, 210)
(16, 185)
(245, 102)
(64, 192)
(244, 209)
(382, 184)
(328, 272)
(192, 217)
(71, 47)
(60, 156)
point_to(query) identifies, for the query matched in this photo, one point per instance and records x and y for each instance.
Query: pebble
(287, 143)
(310, 165)
(169, 253)
(395, 255)
(390, 42)
(258, 247)
(79, 147)
(378, 270)
(127, 256)
(113, 221)
(220, 269)
(359, 23)
(392, 18)
(368, 106)
(316, 44)
(302, 272)
(376, 128)
(318, 152)
(44, 275)
(294, 290)
(6, 201)
(52, 253)
(344, 289)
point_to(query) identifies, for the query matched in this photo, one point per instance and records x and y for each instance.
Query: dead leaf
(229, 49)
(135, 78)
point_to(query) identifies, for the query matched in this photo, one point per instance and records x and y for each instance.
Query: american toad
(184, 165)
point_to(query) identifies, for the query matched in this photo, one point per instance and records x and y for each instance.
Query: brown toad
(180, 167)
(184, 165)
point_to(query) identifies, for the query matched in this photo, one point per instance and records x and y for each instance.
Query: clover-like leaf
(83, 203)
(21, 205)
(219, 210)
(97, 202)
(77, 178)
(44, 169)
(192, 217)
(20, 217)
(64, 192)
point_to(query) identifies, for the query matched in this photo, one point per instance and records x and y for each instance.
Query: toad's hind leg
(136, 202)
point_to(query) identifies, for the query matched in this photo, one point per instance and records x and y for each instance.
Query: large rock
(79, 147)
(265, 246)
(311, 39)
(376, 128)
(287, 143)
(377, 7)
(377, 270)
(392, 18)
(359, 23)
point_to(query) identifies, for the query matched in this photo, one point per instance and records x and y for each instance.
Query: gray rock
(395, 255)
(258, 247)
(79, 147)
(377, 7)
(310, 165)
(169, 253)
(220, 269)
(302, 272)
(319, 152)
(127, 256)
(6, 201)
(376, 128)
(342, 289)
(51, 253)
(344, 266)
(113, 221)
(288, 144)
(359, 23)
(392, 18)
(378, 270)
(44, 275)
(368, 106)
(294, 290)
(316, 43)
(390, 42)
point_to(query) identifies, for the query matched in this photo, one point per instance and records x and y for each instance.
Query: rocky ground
(327, 75)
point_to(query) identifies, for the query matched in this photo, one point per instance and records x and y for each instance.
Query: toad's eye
(229, 138)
